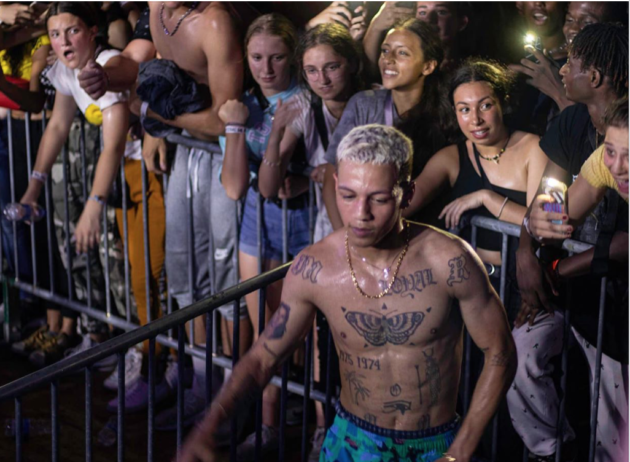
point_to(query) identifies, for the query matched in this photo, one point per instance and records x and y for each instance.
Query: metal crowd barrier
(161, 330)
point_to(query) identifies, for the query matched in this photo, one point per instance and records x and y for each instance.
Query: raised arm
(284, 332)
(53, 139)
(280, 148)
(222, 47)
(486, 321)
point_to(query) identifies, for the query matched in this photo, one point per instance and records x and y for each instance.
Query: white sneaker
(133, 365)
(172, 374)
(105, 364)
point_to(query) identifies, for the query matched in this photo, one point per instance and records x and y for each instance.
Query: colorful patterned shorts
(351, 439)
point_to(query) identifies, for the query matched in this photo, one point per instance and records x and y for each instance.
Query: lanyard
(389, 110)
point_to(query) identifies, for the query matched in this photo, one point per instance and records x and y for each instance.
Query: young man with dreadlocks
(595, 75)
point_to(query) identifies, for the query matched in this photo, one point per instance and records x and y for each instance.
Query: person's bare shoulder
(318, 263)
(216, 17)
(438, 248)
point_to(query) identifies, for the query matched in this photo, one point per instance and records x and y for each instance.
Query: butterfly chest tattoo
(379, 329)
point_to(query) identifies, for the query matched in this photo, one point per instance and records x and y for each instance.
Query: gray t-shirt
(366, 107)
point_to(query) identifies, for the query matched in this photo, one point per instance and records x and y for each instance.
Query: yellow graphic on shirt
(94, 115)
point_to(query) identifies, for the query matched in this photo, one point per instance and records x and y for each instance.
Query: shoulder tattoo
(459, 272)
(307, 267)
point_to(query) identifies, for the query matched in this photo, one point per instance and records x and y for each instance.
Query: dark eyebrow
(346, 188)
(479, 101)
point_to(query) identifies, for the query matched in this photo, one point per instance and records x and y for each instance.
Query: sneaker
(269, 442)
(172, 374)
(194, 406)
(33, 342)
(105, 364)
(317, 442)
(133, 365)
(137, 396)
(52, 349)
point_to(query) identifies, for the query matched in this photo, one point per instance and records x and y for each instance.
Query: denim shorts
(297, 227)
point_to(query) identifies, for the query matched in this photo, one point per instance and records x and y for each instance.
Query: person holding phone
(351, 15)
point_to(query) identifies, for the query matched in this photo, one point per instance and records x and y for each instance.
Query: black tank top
(468, 181)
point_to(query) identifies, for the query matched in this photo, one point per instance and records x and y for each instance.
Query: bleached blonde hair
(378, 145)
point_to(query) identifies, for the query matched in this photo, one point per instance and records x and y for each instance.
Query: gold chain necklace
(391, 283)
(496, 158)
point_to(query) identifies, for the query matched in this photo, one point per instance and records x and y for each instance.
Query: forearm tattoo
(405, 286)
(501, 359)
(381, 328)
(459, 272)
(307, 267)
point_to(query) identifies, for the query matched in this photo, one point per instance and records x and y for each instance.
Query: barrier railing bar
(181, 336)
(191, 253)
(123, 182)
(563, 380)
(151, 409)
(49, 231)
(54, 417)
(83, 150)
(18, 429)
(29, 168)
(598, 370)
(147, 243)
(66, 221)
(308, 355)
(188, 142)
(120, 425)
(12, 186)
(88, 414)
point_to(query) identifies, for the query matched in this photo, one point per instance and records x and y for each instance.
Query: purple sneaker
(137, 396)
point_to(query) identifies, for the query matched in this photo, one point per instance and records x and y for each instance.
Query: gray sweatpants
(214, 230)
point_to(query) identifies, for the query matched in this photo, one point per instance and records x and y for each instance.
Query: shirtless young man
(204, 40)
(400, 351)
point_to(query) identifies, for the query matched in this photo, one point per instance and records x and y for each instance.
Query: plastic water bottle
(23, 212)
(30, 427)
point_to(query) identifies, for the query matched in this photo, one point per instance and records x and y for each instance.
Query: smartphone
(353, 6)
(532, 43)
(411, 5)
(558, 192)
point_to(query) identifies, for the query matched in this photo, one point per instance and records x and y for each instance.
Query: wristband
(234, 128)
(144, 107)
(99, 199)
(554, 272)
(39, 176)
(270, 163)
(502, 207)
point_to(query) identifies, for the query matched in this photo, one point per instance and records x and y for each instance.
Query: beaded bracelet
(39, 176)
(270, 163)
(234, 128)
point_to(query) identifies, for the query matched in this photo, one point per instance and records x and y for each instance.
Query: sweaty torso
(185, 47)
(399, 355)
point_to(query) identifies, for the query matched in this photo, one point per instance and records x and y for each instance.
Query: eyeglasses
(331, 70)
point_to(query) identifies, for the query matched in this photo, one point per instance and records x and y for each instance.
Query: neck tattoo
(495, 158)
(391, 283)
(166, 31)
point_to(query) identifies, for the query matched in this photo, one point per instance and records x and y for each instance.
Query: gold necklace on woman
(495, 158)
(391, 283)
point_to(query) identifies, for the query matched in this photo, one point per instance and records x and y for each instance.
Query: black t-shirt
(570, 140)
(143, 29)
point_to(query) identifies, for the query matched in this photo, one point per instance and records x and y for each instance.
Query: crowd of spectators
(277, 86)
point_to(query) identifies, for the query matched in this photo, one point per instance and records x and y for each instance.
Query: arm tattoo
(378, 329)
(501, 359)
(278, 323)
(266, 347)
(307, 267)
(459, 272)
(355, 382)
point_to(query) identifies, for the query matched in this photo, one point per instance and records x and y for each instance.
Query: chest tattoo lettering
(405, 286)
(459, 272)
(378, 329)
